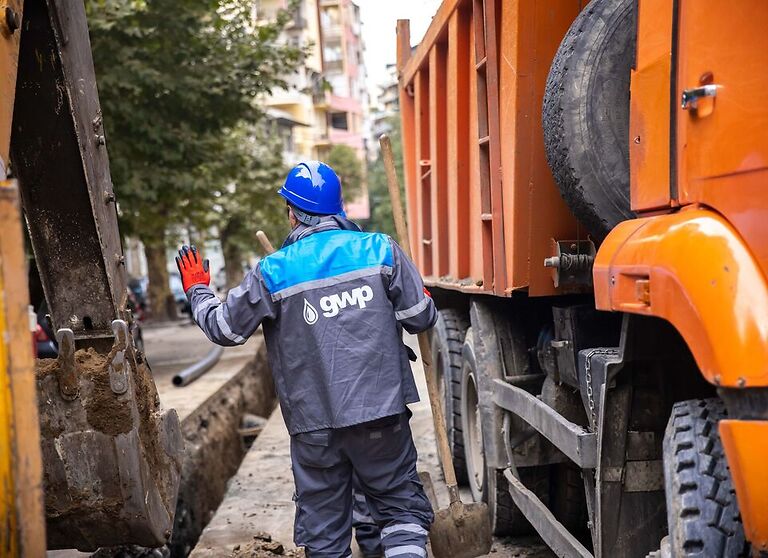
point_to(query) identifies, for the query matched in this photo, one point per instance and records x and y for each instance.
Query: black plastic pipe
(192, 373)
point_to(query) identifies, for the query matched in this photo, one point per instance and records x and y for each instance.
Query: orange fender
(692, 269)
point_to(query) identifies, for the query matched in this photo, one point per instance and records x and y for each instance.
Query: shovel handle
(265, 243)
(424, 346)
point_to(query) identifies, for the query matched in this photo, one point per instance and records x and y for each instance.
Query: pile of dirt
(148, 405)
(105, 412)
(262, 546)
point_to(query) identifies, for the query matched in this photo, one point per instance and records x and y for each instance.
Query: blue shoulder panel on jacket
(323, 255)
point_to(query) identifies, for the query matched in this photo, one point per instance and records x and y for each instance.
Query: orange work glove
(193, 269)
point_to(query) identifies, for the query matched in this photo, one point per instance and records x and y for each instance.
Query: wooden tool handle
(264, 241)
(424, 346)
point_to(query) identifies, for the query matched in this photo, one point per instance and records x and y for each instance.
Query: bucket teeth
(66, 372)
(118, 367)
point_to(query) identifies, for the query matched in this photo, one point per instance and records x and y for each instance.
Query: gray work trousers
(367, 533)
(382, 456)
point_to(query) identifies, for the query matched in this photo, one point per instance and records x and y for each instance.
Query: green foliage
(343, 159)
(250, 202)
(378, 191)
(177, 81)
(175, 78)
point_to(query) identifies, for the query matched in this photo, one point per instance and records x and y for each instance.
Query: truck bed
(482, 203)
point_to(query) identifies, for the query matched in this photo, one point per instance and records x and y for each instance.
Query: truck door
(722, 113)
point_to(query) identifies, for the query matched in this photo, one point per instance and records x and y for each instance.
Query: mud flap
(112, 461)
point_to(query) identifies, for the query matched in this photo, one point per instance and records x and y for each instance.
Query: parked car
(45, 340)
(138, 287)
(177, 289)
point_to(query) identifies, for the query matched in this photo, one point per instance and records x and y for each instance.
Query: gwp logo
(333, 303)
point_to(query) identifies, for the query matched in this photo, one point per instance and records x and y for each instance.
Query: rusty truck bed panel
(481, 199)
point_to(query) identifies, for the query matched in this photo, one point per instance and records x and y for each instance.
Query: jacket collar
(327, 223)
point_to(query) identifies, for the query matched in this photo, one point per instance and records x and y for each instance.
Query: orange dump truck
(587, 192)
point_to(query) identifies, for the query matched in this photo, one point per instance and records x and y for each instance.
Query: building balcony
(345, 137)
(334, 65)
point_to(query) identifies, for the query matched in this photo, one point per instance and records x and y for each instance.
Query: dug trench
(215, 448)
(213, 444)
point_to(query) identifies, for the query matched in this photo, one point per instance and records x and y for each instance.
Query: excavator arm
(111, 454)
(59, 155)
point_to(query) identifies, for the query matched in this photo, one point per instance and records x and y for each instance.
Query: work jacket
(330, 303)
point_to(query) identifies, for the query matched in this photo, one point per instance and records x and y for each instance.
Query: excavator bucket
(111, 455)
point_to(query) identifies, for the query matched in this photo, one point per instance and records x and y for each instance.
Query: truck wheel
(702, 512)
(487, 483)
(447, 341)
(569, 503)
(586, 114)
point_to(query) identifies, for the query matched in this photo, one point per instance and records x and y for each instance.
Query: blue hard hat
(314, 187)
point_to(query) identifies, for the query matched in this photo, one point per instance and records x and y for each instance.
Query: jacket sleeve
(414, 309)
(231, 322)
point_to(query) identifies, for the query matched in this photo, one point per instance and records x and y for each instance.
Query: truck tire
(702, 512)
(447, 342)
(488, 483)
(586, 114)
(569, 502)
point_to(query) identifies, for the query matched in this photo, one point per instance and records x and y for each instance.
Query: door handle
(691, 97)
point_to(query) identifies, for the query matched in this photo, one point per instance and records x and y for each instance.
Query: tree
(176, 77)
(250, 202)
(378, 191)
(344, 160)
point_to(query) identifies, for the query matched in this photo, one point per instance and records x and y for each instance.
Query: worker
(330, 301)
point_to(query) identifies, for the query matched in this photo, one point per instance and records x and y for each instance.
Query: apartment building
(300, 121)
(385, 108)
(326, 103)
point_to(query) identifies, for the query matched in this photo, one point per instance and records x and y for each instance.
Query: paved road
(172, 346)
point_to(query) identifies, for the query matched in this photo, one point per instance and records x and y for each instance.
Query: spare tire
(586, 114)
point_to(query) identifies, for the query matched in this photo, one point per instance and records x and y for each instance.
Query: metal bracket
(597, 368)
(118, 368)
(571, 262)
(67, 373)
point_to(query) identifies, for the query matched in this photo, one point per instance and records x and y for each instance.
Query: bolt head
(741, 382)
(553, 261)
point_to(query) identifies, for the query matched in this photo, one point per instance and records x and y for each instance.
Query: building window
(339, 121)
(286, 134)
(330, 16)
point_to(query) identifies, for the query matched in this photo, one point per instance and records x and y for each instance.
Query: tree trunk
(233, 260)
(162, 303)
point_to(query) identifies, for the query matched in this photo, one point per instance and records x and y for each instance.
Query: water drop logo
(310, 314)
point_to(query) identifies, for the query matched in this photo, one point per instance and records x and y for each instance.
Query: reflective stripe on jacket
(330, 304)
